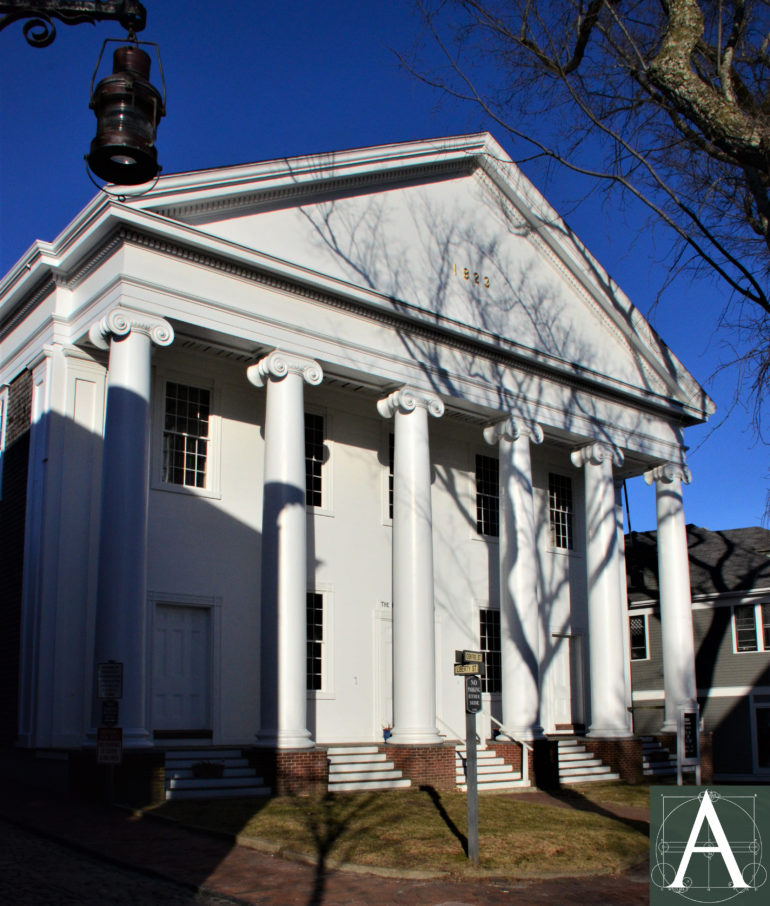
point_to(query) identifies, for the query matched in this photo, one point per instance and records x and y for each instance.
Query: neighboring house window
(186, 435)
(560, 510)
(638, 627)
(315, 640)
(314, 456)
(489, 634)
(487, 496)
(752, 627)
(391, 471)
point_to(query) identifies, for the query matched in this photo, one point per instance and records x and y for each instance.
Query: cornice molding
(44, 289)
(320, 188)
(407, 399)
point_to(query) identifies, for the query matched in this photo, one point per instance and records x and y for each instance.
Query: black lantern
(128, 109)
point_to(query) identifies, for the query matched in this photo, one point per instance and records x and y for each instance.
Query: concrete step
(512, 784)
(333, 751)
(245, 792)
(362, 768)
(595, 766)
(350, 786)
(186, 773)
(359, 758)
(368, 776)
(238, 779)
(588, 778)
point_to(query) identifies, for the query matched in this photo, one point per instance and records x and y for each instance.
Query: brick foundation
(425, 765)
(624, 756)
(291, 772)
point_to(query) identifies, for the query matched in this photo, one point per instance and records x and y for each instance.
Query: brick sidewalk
(204, 861)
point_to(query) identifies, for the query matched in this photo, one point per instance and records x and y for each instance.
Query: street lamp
(128, 107)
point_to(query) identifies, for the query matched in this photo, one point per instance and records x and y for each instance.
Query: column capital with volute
(279, 363)
(407, 399)
(120, 322)
(595, 454)
(668, 472)
(511, 429)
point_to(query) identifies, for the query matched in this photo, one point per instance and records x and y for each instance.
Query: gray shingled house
(730, 584)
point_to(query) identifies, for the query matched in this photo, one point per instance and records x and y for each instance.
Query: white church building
(280, 438)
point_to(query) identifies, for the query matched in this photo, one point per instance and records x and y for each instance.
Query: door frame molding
(214, 606)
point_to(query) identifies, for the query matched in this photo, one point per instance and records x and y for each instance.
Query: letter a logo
(707, 812)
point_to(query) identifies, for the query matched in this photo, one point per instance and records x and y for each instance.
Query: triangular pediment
(450, 229)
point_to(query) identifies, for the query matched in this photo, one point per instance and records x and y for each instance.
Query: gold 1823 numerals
(471, 276)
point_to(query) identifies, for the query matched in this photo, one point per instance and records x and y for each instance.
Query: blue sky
(253, 81)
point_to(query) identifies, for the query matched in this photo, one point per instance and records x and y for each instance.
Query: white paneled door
(181, 668)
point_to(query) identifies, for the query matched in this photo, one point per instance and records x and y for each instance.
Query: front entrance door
(566, 684)
(181, 668)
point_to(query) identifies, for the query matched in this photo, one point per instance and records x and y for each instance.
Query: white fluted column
(674, 584)
(122, 583)
(609, 717)
(283, 663)
(414, 644)
(519, 614)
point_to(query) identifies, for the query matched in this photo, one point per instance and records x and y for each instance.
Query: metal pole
(471, 772)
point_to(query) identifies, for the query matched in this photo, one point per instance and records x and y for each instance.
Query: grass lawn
(520, 835)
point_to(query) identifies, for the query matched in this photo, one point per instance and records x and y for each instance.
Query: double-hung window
(487, 496)
(489, 637)
(560, 510)
(186, 435)
(314, 458)
(751, 627)
(315, 641)
(638, 633)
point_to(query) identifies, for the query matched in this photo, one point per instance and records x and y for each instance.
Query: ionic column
(283, 663)
(414, 646)
(605, 611)
(674, 584)
(122, 578)
(519, 615)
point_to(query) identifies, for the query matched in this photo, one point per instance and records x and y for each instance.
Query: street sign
(109, 679)
(473, 694)
(110, 712)
(109, 745)
(467, 669)
(469, 657)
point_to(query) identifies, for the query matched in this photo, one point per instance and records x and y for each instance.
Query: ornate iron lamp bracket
(40, 30)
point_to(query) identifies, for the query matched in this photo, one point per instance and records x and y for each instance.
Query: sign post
(109, 736)
(470, 664)
(688, 742)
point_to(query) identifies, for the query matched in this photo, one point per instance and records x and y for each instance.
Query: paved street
(36, 871)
